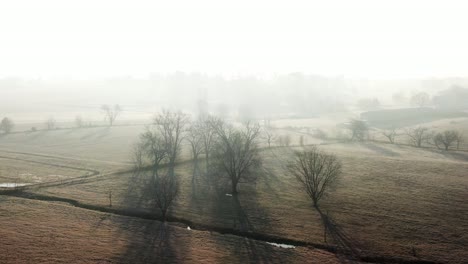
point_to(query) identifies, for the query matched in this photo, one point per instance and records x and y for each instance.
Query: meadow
(394, 204)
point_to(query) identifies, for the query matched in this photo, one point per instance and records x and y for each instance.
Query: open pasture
(393, 201)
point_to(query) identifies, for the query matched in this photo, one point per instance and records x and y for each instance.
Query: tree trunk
(163, 212)
(315, 201)
(234, 186)
(207, 159)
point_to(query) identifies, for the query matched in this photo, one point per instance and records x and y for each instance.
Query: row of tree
(110, 115)
(230, 151)
(417, 136)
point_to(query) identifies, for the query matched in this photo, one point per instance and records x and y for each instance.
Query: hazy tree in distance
(138, 155)
(208, 135)
(390, 134)
(6, 125)
(194, 137)
(170, 126)
(316, 170)
(79, 123)
(301, 140)
(111, 113)
(446, 138)
(420, 99)
(268, 136)
(460, 140)
(359, 129)
(287, 140)
(50, 123)
(237, 152)
(418, 135)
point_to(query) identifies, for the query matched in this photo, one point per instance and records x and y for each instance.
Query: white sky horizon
(360, 40)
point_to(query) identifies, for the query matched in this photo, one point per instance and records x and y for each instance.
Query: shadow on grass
(138, 192)
(452, 154)
(151, 242)
(97, 134)
(346, 249)
(147, 241)
(381, 150)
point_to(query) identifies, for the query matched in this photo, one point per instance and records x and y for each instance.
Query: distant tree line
(416, 136)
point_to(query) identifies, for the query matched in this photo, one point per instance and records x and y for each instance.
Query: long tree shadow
(346, 249)
(96, 134)
(455, 155)
(138, 193)
(147, 241)
(381, 150)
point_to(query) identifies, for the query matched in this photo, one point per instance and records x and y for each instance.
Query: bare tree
(111, 113)
(390, 134)
(359, 129)
(165, 191)
(6, 125)
(237, 152)
(195, 138)
(420, 99)
(446, 138)
(418, 135)
(50, 123)
(269, 137)
(208, 135)
(138, 155)
(171, 126)
(316, 170)
(154, 147)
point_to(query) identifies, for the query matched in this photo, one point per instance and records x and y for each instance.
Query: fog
(267, 58)
(244, 131)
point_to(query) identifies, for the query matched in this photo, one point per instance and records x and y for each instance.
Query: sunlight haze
(355, 39)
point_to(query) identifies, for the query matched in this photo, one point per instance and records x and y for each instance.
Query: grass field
(64, 234)
(393, 202)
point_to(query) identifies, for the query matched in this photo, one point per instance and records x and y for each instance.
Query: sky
(355, 39)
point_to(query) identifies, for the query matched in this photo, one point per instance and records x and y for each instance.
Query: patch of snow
(12, 185)
(281, 245)
(228, 194)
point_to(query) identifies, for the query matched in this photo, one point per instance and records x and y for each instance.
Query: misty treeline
(248, 97)
(417, 136)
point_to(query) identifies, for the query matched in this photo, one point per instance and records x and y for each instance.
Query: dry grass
(391, 199)
(106, 144)
(394, 201)
(18, 171)
(44, 232)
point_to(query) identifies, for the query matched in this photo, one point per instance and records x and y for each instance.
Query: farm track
(347, 255)
(90, 173)
(63, 158)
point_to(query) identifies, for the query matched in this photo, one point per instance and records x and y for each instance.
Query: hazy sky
(375, 39)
